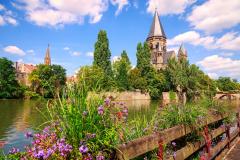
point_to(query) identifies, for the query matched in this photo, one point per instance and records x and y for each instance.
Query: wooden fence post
(208, 141)
(160, 149)
(238, 123)
(228, 135)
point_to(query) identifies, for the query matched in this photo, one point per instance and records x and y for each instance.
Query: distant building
(71, 79)
(47, 59)
(23, 71)
(157, 42)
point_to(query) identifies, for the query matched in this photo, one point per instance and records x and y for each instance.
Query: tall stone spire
(156, 29)
(47, 59)
(182, 52)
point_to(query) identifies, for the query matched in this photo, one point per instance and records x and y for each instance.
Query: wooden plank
(221, 145)
(148, 143)
(190, 148)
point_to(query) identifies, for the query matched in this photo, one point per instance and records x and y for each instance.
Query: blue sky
(210, 30)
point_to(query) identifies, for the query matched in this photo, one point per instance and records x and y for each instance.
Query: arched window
(157, 46)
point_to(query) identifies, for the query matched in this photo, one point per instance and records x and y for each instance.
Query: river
(20, 116)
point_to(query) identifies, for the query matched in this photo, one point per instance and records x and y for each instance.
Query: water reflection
(17, 117)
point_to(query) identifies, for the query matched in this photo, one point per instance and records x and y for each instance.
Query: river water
(20, 116)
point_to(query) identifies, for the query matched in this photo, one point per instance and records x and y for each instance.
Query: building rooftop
(156, 27)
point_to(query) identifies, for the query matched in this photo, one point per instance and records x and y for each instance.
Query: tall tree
(143, 58)
(102, 54)
(120, 69)
(124, 56)
(9, 87)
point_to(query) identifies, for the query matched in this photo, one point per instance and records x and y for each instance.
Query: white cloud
(115, 58)
(66, 48)
(221, 66)
(6, 17)
(31, 51)
(192, 37)
(2, 22)
(165, 7)
(76, 53)
(89, 54)
(228, 41)
(215, 15)
(227, 54)
(61, 12)
(2, 7)
(120, 3)
(11, 20)
(14, 50)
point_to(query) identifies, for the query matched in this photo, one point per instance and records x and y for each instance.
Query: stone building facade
(23, 71)
(157, 42)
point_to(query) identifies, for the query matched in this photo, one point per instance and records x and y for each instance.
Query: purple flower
(83, 149)
(39, 154)
(174, 144)
(100, 157)
(46, 129)
(13, 150)
(174, 155)
(89, 157)
(107, 101)
(100, 110)
(28, 135)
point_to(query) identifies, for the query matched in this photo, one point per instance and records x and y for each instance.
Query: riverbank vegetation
(78, 127)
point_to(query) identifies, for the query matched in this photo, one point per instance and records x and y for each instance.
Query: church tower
(157, 42)
(182, 53)
(47, 59)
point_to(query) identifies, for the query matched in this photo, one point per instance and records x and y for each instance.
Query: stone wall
(123, 96)
(128, 95)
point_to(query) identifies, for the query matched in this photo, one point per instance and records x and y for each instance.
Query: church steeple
(47, 59)
(182, 52)
(156, 29)
(157, 42)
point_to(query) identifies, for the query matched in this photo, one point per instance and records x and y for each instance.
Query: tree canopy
(48, 80)
(9, 87)
(102, 54)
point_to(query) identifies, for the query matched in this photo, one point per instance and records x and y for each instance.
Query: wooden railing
(148, 143)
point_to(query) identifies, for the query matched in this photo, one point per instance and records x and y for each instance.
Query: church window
(157, 46)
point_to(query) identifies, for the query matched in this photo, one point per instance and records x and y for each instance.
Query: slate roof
(168, 55)
(156, 27)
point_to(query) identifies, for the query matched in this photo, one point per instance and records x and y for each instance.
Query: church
(157, 42)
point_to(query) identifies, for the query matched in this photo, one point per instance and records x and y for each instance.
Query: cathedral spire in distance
(182, 52)
(156, 29)
(47, 59)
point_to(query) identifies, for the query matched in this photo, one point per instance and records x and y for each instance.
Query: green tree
(92, 77)
(124, 56)
(227, 84)
(48, 80)
(120, 70)
(102, 54)
(136, 81)
(9, 87)
(143, 58)
(188, 78)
